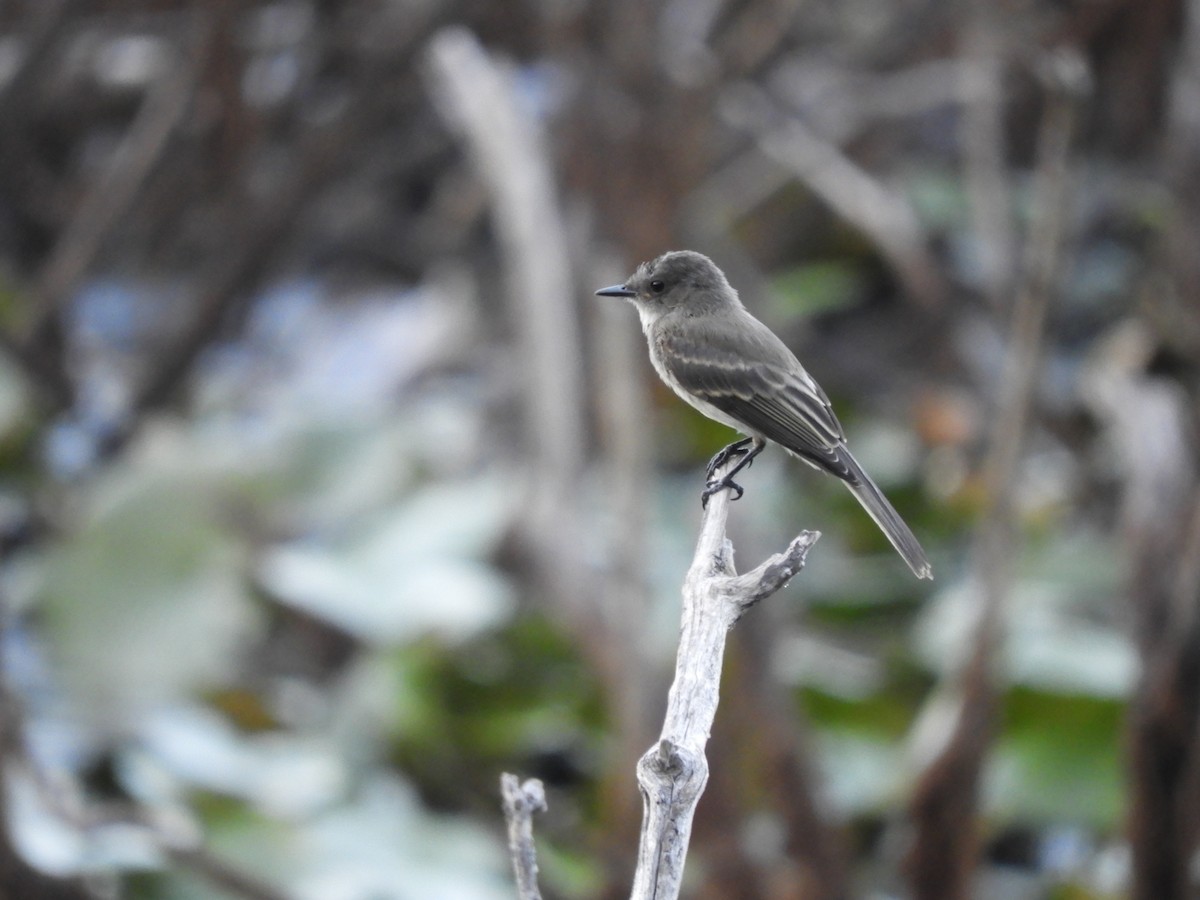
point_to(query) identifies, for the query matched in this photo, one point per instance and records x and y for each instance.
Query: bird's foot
(725, 454)
(719, 484)
(744, 451)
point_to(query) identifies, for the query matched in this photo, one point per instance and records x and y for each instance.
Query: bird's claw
(725, 454)
(743, 451)
(718, 484)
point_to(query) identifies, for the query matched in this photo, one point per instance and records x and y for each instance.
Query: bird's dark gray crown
(680, 267)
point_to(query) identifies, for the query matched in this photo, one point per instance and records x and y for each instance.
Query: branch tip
(522, 799)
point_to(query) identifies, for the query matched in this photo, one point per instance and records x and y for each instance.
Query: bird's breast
(660, 360)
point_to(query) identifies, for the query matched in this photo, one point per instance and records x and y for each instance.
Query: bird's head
(681, 279)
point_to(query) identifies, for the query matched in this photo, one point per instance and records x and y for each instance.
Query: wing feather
(751, 376)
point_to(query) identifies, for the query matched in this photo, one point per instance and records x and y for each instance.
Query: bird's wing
(752, 377)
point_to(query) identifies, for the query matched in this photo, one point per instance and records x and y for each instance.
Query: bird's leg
(726, 480)
(737, 448)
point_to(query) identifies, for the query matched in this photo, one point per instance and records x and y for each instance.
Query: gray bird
(731, 367)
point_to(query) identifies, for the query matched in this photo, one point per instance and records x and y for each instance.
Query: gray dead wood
(521, 801)
(673, 772)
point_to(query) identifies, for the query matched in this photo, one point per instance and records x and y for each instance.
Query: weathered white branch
(673, 772)
(521, 801)
(479, 96)
(884, 215)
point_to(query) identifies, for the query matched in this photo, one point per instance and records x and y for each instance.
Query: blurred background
(329, 491)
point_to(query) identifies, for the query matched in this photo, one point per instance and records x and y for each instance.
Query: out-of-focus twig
(622, 595)
(262, 221)
(1174, 304)
(1149, 421)
(983, 143)
(862, 200)
(111, 195)
(944, 805)
(521, 800)
(765, 714)
(478, 97)
(47, 24)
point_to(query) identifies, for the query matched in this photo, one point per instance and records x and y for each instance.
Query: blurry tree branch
(622, 594)
(1150, 423)
(881, 214)
(22, 181)
(672, 774)
(983, 143)
(47, 25)
(39, 348)
(477, 96)
(17, 877)
(261, 224)
(765, 721)
(944, 805)
(1175, 306)
(112, 194)
(521, 800)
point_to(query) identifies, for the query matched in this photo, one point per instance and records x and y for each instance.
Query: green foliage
(939, 197)
(506, 700)
(882, 715)
(151, 561)
(1058, 760)
(816, 287)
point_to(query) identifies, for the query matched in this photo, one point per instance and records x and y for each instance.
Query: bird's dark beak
(617, 290)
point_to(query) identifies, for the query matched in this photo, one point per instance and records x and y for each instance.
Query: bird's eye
(657, 286)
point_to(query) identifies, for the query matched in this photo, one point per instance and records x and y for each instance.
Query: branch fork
(672, 774)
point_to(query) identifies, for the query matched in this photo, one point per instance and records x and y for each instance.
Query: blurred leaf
(152, 573)
(515, 698)
(1058, 759)
(567, 871)
(278, 773)
(379, 842)
(412, 570)
(15, 399)
(878, 717)
(1046, 650)
(1053, 638)
(860, 774)
(385, 844)
(940, 198)
(814, 288)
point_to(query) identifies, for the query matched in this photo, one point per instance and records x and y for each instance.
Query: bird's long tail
(888, 520)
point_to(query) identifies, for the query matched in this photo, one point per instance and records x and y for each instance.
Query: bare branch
(983, 152)
(478, 96)
(944, 806)
(774, 573)
(672, 774)
(114, 192)
(881, 214)
(521, 801)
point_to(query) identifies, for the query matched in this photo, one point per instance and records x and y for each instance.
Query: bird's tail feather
(889, 521)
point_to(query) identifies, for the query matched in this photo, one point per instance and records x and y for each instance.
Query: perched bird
(731, 367)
